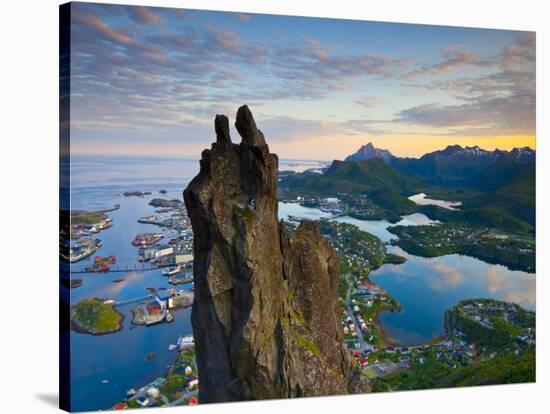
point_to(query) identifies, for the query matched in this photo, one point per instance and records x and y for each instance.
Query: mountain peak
(368, 151)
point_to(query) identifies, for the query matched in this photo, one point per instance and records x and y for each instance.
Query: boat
(187, 340)
(172, 270)
(180, 280)
(171, 347)
(104, 381)
(146, 239)
(99, 267)
(169, 317)
(131, 392)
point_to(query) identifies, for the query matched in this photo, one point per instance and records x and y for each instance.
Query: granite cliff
(265, 310)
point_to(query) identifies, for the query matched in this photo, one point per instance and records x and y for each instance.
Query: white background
(29, 203)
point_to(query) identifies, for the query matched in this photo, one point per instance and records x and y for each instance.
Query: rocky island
(96, 317)
(265, 310)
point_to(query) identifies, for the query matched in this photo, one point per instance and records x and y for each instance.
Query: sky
(149, 81)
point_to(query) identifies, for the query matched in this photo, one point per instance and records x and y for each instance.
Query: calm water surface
(426, 287)
(422, 200)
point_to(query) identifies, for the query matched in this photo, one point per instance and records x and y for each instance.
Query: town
(515, 250)
(179, 387)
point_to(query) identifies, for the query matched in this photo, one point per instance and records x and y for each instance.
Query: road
(349, 306)
(183, 398)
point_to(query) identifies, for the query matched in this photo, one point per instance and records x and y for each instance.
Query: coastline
(78, 328)
(386, 338)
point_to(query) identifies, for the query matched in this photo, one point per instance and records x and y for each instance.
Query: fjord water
(427, 287)
(422, 200)
(424, 287)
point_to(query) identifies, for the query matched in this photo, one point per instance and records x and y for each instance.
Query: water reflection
(379, 228)
(426, 287)
(422, 200)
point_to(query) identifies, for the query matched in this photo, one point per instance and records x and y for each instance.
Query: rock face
(368, 151)
(265, 309)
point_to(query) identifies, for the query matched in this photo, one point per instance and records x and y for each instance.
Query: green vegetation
(500, 196)
(176, 380)
(386, 187)
(512, 249)
(392, 258)
(246, 213)
(307, 344)
(87, 217)
(503, 369)
(133, 404)
(491, 324)
(359, 251)
(95, 317)
(516, 198)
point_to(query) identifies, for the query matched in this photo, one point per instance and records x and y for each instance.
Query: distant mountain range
(496, 188)
(456, 166)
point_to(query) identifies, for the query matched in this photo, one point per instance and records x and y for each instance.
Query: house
(153, 392)
(164, 299)
(183, 258)
(193, 383)
(188, 370)
(143, 401)
(167, 251)
(121, 406)
(153, 308)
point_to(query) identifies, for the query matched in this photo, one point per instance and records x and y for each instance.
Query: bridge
(133, 300)
(118, 269)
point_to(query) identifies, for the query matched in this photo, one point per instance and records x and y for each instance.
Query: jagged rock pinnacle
(221, 125)
(265, 310)
(246, 126)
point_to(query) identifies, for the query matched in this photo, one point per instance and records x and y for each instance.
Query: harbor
(121, 358)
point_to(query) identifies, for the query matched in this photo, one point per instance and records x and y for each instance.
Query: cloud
(145, 75)
(368, 101)
(243, 17)
(144, 15)
(450, 277)
(520, 54)
(499, 103)
(134, 76)
(454, 57)
(516, 288)
(113, 35)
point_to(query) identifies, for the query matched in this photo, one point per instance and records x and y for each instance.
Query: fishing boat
(187, 340)
(170, 271)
